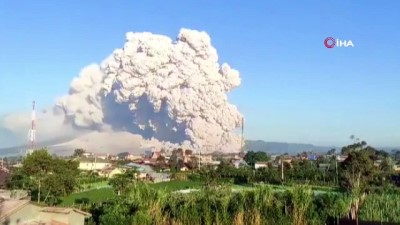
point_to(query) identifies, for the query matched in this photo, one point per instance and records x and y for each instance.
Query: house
(91, 164)
(103, 157)
(259, 165)
(205, 159)
(160, 177)
(287, 160)
(24, 212)
(131, 157)
(155, 155)
(148, 152)
(216, 163)
(273, 157)
(341, 158)
(110, 172)
(88, 154)
(113, 157)
(184, 168)
(312, 157)
(239, 163)
(146, 172)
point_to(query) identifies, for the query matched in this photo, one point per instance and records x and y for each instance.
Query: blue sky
(293, 88)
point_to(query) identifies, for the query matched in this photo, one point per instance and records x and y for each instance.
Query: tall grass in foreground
(381, 207)
(259, 206)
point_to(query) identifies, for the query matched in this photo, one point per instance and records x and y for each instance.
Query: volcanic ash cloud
(171, 91)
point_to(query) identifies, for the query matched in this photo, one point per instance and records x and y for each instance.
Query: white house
(88, 154)
(110, 172)
(341, 158)
(239, 162)
(93, 164)
(258, 165)
(131, 157)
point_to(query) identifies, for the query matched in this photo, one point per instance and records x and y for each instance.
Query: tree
(42, 172)
(331, 152)
(121, 182)
(123, 155)
(356, 173)
(37, 165)
(252, 157)
(304, 170)
(396, 154)
(173, 162)
(353, 147)
(78, 152)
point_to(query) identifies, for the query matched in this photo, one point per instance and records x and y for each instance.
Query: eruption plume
(171, 91)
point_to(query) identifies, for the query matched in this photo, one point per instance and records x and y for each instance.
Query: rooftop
(8, 207)
(43, 222)
(63, 210)
(92, 160)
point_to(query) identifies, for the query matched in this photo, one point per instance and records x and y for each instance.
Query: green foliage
(47, 177)
(39, 163)
(331, 151)
(144, 205)
(304, 170)
(269, 175)
(252, 157)
(122, 155)
(381, 207)
(176, 185)
(357, 171)
(122, 182)
(92, 196)
(78, 152)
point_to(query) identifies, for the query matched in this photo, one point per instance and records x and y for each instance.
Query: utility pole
(282, 170)
(199, 158)
(337, 172)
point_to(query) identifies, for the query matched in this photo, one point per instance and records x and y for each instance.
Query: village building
(24, 212)
(131, 157)
(146, 172)
(92, 164)
(110, 172)
(259, 165)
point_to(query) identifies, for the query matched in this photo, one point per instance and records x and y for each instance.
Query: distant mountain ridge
(294, 148)
(283, 147)
(250, 145)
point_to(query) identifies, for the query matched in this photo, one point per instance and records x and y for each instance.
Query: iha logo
(331, 42)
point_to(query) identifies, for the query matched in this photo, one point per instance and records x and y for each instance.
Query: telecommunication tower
(32, 131)
(242, 137)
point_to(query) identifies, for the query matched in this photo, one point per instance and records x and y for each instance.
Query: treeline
(46, 177)
(365, 169)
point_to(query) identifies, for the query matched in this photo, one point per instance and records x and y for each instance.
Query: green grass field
(103, 193)
(94, 196)
(97, 185)
(176, 185)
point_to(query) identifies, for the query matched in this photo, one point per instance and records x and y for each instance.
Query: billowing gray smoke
(172, 91)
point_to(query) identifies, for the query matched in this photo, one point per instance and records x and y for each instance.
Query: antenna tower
(242, 141)
(32, 131)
